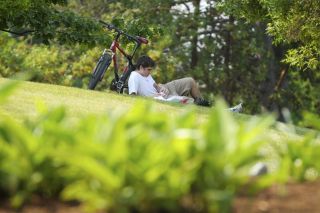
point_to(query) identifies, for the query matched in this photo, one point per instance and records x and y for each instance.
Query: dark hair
(145, 61)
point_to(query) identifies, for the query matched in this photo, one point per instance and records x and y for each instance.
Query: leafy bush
(138, 160)
(143, 160)
(55, 64)
(296, 157)
(311, 120)
(49, 64)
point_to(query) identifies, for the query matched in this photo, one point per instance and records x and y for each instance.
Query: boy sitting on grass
(141, 83)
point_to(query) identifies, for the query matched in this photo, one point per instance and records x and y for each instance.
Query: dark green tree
(293, 22)
(49, 20)
(295, 29)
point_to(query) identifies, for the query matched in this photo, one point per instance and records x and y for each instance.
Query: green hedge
(55, 64)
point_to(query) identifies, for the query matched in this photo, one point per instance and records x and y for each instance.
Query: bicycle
(119, 83)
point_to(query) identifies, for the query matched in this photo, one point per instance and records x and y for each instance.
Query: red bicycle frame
(115, 45)
(119, 82)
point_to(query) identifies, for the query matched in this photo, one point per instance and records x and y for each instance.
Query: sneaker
(258, 169)
(237, 108)
(202, 102)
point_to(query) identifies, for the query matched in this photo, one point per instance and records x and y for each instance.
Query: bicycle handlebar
(135, 38)
(22, 33)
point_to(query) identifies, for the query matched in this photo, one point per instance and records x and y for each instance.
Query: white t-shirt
(141, 85)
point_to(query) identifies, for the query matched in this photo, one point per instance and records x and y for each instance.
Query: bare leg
(195, 93)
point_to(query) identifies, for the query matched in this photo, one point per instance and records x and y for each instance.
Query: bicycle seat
(142, 40)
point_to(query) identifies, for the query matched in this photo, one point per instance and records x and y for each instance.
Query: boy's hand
(163, 90)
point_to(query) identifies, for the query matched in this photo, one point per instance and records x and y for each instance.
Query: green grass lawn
(28, 96)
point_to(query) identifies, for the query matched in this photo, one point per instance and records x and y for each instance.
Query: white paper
(176, 99)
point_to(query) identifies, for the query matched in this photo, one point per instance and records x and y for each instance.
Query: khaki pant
(181, 87)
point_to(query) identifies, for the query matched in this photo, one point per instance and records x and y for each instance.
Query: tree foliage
(294, 22)
(49, 20)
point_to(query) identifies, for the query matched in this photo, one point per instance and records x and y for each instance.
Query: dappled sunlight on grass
(30, 96)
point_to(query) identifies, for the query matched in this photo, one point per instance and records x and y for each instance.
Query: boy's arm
(157, 87)
(161, 89)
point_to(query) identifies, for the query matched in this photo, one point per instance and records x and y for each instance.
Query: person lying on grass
(141, 83)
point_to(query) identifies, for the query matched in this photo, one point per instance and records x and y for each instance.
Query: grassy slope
(23, 102)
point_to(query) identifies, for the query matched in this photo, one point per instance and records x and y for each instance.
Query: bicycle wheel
(98, 72)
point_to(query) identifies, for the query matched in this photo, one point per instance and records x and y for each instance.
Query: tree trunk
(275, 76)
(194, 40)
(228, 89)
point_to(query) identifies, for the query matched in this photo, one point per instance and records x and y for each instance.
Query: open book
(176, 99)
